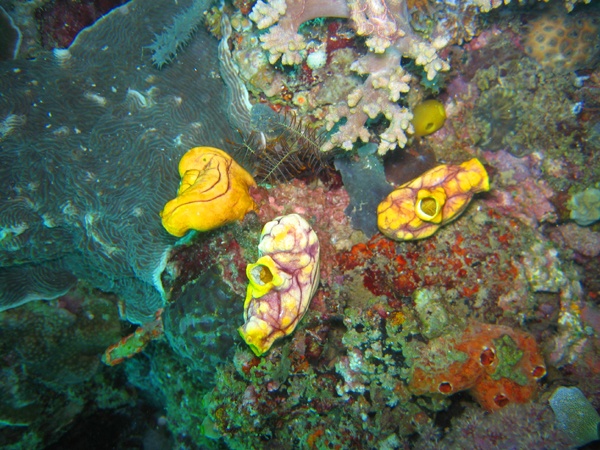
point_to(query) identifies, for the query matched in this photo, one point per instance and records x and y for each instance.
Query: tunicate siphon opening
(501, 400)
(538, 372)
(487, 357)
(262, 273)
(445, 387)
(428, 206)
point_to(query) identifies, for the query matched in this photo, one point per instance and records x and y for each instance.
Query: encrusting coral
(585, 207)
(89, 160)
(418, 208)
(575, 415)
(562, 42)
(214, 191)
(282, 281)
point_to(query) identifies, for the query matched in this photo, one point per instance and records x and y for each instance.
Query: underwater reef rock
(90, 139)
(201, 324)
(364, 179)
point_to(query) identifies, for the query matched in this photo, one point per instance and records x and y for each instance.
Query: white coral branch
(285, 44)
(266, 14)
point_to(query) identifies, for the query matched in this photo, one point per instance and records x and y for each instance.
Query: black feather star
(291, 149)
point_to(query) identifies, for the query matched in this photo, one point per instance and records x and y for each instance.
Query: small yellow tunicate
(428, 117)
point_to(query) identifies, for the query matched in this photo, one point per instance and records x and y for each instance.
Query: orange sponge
(496, 364)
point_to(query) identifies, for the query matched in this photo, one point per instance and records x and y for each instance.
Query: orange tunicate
(214, 191)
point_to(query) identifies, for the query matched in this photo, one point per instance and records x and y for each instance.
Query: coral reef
(585, 207)
(166, 44)
(477, 429)
(562, 43)
(60, 21)
(136, 342)
(364, 180)
(10, 38)
(287, 148)
(425, 344)
(200, 323)
(575, 415)
(496, 364)
(51, 372)
(389, 36)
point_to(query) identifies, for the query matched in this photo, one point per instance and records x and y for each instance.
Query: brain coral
(562, 43)
(89, 146)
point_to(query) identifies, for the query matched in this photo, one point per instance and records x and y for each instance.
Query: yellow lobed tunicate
(418, 208)
(428, 117)
(214, 191)
(282, 281)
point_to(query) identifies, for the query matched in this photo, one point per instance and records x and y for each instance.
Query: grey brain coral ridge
(90, 141)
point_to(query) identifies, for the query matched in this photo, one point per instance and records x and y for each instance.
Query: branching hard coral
(283, 40)
(389, 36)
(375, 19)
(379, 94)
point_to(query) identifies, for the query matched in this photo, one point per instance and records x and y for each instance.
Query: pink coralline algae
(322, 207)
(518, 191)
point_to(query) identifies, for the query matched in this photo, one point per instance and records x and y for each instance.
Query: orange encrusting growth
(498, 366)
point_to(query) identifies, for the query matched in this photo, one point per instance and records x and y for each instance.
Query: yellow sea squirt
(428, 117)
(418, 208)
(214, 191)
